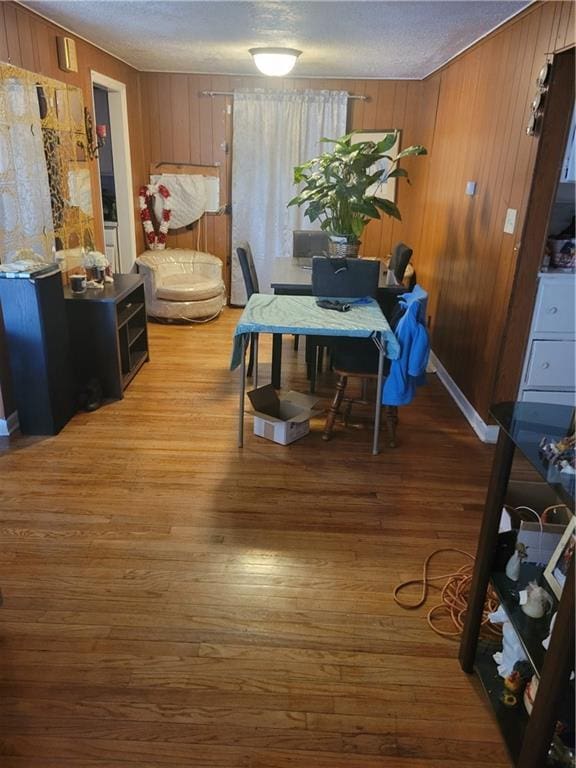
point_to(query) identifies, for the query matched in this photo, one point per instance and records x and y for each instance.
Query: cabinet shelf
(126, 313)
(530, 631)
(137, 361)
(134, 333)
(512, 720)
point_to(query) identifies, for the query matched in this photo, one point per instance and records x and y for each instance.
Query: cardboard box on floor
(282, 419)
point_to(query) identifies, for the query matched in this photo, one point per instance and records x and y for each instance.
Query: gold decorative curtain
(45, 190)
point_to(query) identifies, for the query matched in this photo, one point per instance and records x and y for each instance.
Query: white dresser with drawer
(549, 371)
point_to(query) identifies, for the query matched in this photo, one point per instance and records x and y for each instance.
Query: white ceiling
(342, 39)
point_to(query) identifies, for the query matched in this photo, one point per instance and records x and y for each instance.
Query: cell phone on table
(338, 306)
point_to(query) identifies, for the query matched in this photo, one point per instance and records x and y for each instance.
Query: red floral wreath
(155, 240)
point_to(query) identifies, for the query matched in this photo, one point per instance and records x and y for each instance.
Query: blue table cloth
(301, 315)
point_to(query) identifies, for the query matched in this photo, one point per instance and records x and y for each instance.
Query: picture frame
(387, 190)
(556, 571)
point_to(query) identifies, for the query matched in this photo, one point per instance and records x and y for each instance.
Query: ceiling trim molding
(288, 77)
(513, 17)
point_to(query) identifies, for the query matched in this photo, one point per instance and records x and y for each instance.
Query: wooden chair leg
(308, 355)
(251, 357)
(334, 407)
(296, 340)
(320, 360)
(347, 412)
(313, 371)
(392, 423)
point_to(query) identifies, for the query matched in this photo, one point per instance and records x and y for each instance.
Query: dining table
(292, 276)
(292, 314)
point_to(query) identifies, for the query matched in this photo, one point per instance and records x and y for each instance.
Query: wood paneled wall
(465, 260)
(29, 41)
(182, 126)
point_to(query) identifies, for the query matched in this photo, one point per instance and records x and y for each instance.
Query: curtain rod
(231, 93)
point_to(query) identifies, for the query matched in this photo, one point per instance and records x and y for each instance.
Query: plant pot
(339, 248)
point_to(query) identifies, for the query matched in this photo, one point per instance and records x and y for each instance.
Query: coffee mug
(77, 283)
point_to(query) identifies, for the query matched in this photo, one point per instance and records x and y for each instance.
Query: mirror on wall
(45, 188)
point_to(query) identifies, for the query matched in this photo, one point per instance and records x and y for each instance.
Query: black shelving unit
(109, 333)
(39, 351)
(528, 738)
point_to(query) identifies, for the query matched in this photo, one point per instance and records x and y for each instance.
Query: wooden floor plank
(171, 600)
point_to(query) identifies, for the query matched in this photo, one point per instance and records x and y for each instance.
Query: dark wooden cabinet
(39, 352)
(108, 333)
(528, 738)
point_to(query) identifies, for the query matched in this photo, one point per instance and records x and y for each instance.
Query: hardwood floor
(171, 600)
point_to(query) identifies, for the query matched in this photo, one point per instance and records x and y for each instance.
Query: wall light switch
(470, 188)
(510, 221)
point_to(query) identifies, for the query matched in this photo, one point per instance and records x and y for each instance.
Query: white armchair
(182, 284)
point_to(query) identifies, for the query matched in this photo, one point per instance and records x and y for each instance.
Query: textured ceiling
(339, 39)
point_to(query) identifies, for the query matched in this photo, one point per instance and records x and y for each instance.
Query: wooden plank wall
(465, 260)
(182, 126)
(29, 41)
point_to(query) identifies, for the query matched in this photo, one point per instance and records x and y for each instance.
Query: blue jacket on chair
(409, 370)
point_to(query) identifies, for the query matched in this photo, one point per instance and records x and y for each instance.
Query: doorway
(540, 221)
(115, 171)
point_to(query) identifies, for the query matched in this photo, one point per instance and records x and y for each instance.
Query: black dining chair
(244, 253)
(347, 278)
(401, 255)
(358, 358)
(250, 277)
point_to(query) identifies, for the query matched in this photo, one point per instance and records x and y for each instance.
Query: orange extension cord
(454, 596)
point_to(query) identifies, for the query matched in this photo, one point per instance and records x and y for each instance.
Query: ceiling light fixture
(275, 62)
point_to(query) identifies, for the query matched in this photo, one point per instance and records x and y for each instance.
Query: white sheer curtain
(25, 211)
(273, 132)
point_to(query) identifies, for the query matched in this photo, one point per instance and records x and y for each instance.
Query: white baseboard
(486, 432)
(9, 425)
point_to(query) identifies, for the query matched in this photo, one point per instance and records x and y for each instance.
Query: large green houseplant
(338, 187)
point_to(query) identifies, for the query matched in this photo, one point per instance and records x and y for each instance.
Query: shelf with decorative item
(526, 429)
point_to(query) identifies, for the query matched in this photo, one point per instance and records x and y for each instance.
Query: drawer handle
(552, 310)
(545, 365)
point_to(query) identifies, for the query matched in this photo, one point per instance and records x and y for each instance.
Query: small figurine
(530, 693)
(512, 651)
(560, 454)
(508, 699)
(538, 601)
(513, 565)
(513, 682)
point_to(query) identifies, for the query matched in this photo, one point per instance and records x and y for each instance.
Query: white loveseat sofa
(182, 284)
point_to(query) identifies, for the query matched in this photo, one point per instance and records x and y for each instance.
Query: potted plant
(340, 188)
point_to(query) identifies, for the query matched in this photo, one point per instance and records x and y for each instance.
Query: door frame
(554, 131)
(120, 138)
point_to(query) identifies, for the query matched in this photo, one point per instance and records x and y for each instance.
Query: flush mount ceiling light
(275, 62)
